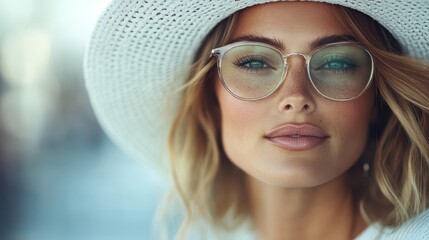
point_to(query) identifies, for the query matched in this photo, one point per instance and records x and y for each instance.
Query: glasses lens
(251, 71)
(341, 72)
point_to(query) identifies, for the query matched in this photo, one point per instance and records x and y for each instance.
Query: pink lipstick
(297, 137)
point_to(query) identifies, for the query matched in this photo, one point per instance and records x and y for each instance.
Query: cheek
(350, 123)
(240, 122)
(356, 115)
(352, 116)
(235, 117)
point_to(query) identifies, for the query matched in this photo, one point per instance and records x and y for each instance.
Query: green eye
(252, 63)
(255, 64)
(337, 64)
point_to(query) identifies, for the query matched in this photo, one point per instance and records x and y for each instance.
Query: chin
(295, 180)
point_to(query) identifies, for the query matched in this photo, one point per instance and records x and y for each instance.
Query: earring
(366, 169)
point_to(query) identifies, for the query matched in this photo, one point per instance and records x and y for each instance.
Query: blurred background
(60, 176)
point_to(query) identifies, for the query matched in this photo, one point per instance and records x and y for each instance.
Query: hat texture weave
(140, 49)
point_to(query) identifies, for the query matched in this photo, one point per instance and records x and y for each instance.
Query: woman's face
(295, 137)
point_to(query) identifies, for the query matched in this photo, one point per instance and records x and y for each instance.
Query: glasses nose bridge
(286, 57)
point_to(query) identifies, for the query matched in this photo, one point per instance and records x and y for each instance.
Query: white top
(415, 229)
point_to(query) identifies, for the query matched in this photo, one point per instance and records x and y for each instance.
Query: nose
(296, 92)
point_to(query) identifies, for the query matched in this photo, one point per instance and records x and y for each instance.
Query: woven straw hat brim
(139, 51)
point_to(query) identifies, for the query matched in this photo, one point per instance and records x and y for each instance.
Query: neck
(322, 212)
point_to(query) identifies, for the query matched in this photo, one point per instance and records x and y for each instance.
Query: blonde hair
(199, 166)
(211, 187)
(398, 188)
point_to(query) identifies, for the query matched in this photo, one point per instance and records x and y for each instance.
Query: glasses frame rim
(219, 52)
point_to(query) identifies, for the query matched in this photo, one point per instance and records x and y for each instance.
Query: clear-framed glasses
(339, 71)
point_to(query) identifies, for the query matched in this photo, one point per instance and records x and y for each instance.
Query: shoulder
(416, 228)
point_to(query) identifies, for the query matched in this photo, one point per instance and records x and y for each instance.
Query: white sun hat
(140, 48)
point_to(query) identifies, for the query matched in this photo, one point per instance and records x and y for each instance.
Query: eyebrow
(279, 44)
(257, 38)
(331, 39)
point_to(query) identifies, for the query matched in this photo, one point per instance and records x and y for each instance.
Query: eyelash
(344, 59)
(239, 62)
(247, 59)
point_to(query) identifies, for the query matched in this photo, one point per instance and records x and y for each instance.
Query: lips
(297, 137)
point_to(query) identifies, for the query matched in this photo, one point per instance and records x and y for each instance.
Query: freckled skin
(244, 123)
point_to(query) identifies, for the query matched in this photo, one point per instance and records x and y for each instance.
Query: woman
(303, 120)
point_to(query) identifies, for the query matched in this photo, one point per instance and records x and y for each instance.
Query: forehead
(293, 23)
